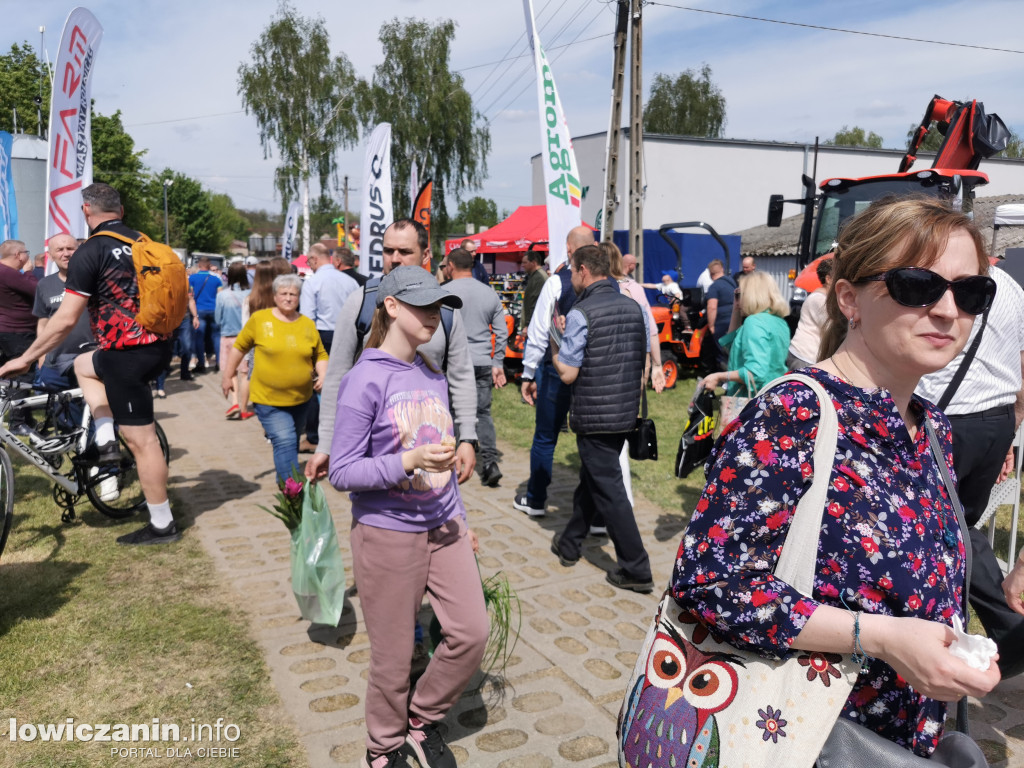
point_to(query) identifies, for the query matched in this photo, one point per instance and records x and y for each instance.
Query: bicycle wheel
(6, 498)
(118, 493)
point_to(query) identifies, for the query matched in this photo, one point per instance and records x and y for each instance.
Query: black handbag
(850, 744)
(643, 439)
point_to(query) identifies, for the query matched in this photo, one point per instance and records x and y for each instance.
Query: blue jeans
(183, 342)
(553, 398)
(207, 334)
(283, 426)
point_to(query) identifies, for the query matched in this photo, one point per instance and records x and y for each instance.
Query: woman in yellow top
(288, 354)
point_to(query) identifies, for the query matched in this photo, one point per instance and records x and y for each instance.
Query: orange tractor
(679, 336)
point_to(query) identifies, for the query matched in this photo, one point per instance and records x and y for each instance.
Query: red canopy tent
(511, 237)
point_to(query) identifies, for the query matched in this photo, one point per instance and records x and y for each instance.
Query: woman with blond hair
(758, 337)
(909, 280)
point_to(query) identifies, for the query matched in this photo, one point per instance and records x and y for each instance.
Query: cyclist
(114, 378)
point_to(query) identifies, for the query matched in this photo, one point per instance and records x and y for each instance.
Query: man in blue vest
(602, 356)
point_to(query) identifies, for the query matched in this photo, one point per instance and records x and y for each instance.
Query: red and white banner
(70, 148)
(561, 174)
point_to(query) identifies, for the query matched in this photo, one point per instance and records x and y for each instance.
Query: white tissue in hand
(975, 650)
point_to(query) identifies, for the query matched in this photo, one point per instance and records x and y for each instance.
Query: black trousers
(601, 489)
(980, 443)
(313, 413)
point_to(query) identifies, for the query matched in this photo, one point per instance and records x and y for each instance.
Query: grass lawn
(102, 633)
(656, 480)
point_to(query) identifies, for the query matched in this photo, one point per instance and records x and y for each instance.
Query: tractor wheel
(670, 367)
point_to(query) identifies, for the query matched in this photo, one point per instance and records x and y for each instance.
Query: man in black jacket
(602, 357)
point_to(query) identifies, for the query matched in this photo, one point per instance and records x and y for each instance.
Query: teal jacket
(757, 347)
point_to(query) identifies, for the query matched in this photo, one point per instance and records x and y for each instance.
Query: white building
(28, 167)
(727, 182)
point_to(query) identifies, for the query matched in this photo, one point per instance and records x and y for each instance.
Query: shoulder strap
(799, 554)
(961, 371)
(366, 310)
(962, 721)
(447, 318)
(115, 235)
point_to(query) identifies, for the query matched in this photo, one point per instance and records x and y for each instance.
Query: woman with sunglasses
(909, 280)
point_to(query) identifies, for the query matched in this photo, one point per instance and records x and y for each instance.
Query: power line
(835, 29)
(556, 58)
(186, 119)
(529, 68)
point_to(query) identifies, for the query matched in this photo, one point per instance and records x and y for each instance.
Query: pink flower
(292, 488)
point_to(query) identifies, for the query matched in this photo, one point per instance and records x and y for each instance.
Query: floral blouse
(883, 545)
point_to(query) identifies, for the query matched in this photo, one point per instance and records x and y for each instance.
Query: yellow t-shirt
(285, 355)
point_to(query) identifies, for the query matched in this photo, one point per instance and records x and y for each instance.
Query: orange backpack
(163, 283)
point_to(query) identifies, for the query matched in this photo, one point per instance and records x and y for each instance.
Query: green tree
(263, 222)
(228, 222)
(689, 105)
(191, 216)
(479, 211)
(300, 97)
(432, 118)
(116, 162)
(855, 137)
(21, 76)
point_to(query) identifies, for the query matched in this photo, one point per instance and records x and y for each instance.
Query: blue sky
(171, 68)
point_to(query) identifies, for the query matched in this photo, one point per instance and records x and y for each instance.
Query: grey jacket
(461, 378)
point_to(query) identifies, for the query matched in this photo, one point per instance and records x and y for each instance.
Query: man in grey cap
(405, 242)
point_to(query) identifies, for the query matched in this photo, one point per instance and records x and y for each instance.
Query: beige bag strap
(800, 552)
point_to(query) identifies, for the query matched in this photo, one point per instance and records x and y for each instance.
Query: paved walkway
(558, 702)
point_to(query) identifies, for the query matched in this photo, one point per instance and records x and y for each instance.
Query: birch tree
(301, 98)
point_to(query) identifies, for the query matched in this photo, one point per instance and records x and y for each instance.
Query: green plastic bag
(318, 572)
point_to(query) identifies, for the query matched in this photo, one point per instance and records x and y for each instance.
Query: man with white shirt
(541, 385)
(985, 409)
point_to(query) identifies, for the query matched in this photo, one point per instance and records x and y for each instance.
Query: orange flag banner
(421, 208)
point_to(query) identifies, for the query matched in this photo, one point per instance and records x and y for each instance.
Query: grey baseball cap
(416, 287)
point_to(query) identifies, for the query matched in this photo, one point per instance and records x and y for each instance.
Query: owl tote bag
(694, 702)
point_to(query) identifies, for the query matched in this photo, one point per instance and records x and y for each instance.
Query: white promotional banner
(291, 227)
(561, 174)
(70, 147)
(414, 187)
(377, 212)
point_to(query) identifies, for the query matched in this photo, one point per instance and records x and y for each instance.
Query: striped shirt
(994, 376)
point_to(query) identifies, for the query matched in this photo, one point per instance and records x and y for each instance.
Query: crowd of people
(388, 382)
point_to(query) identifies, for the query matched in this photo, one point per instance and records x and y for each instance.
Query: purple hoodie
(387, 406)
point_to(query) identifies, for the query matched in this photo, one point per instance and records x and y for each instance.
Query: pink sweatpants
(393, 570)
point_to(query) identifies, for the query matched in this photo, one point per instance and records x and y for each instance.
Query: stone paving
(560, 695)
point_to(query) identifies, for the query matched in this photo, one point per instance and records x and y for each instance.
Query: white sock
(105, 430)
(160, 514)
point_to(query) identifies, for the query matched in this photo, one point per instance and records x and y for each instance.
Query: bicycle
(54, 429)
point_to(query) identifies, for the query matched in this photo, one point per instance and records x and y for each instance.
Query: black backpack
(369, 306)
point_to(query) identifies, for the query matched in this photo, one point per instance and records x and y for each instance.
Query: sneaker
(491, 475)
(108, 490)
(151, 535)
(521, 503)
(562, 559)
(109, 453)
(306, 447)
(598, 530)
(394, 759)
(622, 580)
(425, 742)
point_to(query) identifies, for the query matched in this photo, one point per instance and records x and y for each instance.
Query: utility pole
(344, 192)
(636, 139)
(611, 169)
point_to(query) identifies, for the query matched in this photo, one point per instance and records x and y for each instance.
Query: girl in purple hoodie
(394, 450)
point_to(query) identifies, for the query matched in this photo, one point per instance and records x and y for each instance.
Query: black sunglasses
(918, 287)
